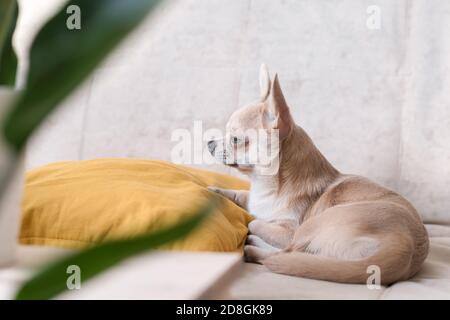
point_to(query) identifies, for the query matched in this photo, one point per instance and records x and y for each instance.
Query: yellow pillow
(80, 203)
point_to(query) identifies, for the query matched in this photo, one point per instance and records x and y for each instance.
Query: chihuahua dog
(311, 220)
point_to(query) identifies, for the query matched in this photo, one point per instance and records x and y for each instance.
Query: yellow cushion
(79, 203)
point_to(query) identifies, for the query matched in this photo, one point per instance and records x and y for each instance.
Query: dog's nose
(211, 146)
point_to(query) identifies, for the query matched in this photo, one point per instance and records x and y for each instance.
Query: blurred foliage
(8, 60)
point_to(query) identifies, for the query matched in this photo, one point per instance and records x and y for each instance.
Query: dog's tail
(393, 264)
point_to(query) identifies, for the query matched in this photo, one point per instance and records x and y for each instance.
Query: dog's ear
(264, 82)
(278, 109)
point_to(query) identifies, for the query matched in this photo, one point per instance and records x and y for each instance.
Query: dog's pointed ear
(264, 82)
(278, 108)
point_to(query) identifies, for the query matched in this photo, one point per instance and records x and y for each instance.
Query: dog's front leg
(256, 249)
(239, 197)
(267, 238)
(276, 234)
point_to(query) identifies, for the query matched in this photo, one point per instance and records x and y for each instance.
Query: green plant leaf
(8, 59)
(52, 280)
(60, 59)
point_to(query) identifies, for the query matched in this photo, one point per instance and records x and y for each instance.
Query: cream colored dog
(311, 220)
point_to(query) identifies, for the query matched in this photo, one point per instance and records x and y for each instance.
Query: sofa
(373, 97)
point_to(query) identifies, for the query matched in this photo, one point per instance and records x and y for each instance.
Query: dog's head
(254, 132)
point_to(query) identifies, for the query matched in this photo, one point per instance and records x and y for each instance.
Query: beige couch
(433, 282)
(374, 100)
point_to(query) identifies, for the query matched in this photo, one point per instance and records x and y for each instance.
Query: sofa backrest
(373, 97)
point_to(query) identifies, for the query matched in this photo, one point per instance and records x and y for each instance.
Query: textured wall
(375, 101)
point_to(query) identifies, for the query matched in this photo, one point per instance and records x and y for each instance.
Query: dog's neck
(303, 175)
(303, 168)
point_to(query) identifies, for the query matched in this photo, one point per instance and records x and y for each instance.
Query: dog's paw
(254, 254)
(255, 241)
(254, 225)
(214, 189)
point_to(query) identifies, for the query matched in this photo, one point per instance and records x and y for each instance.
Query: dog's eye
(235, 140)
